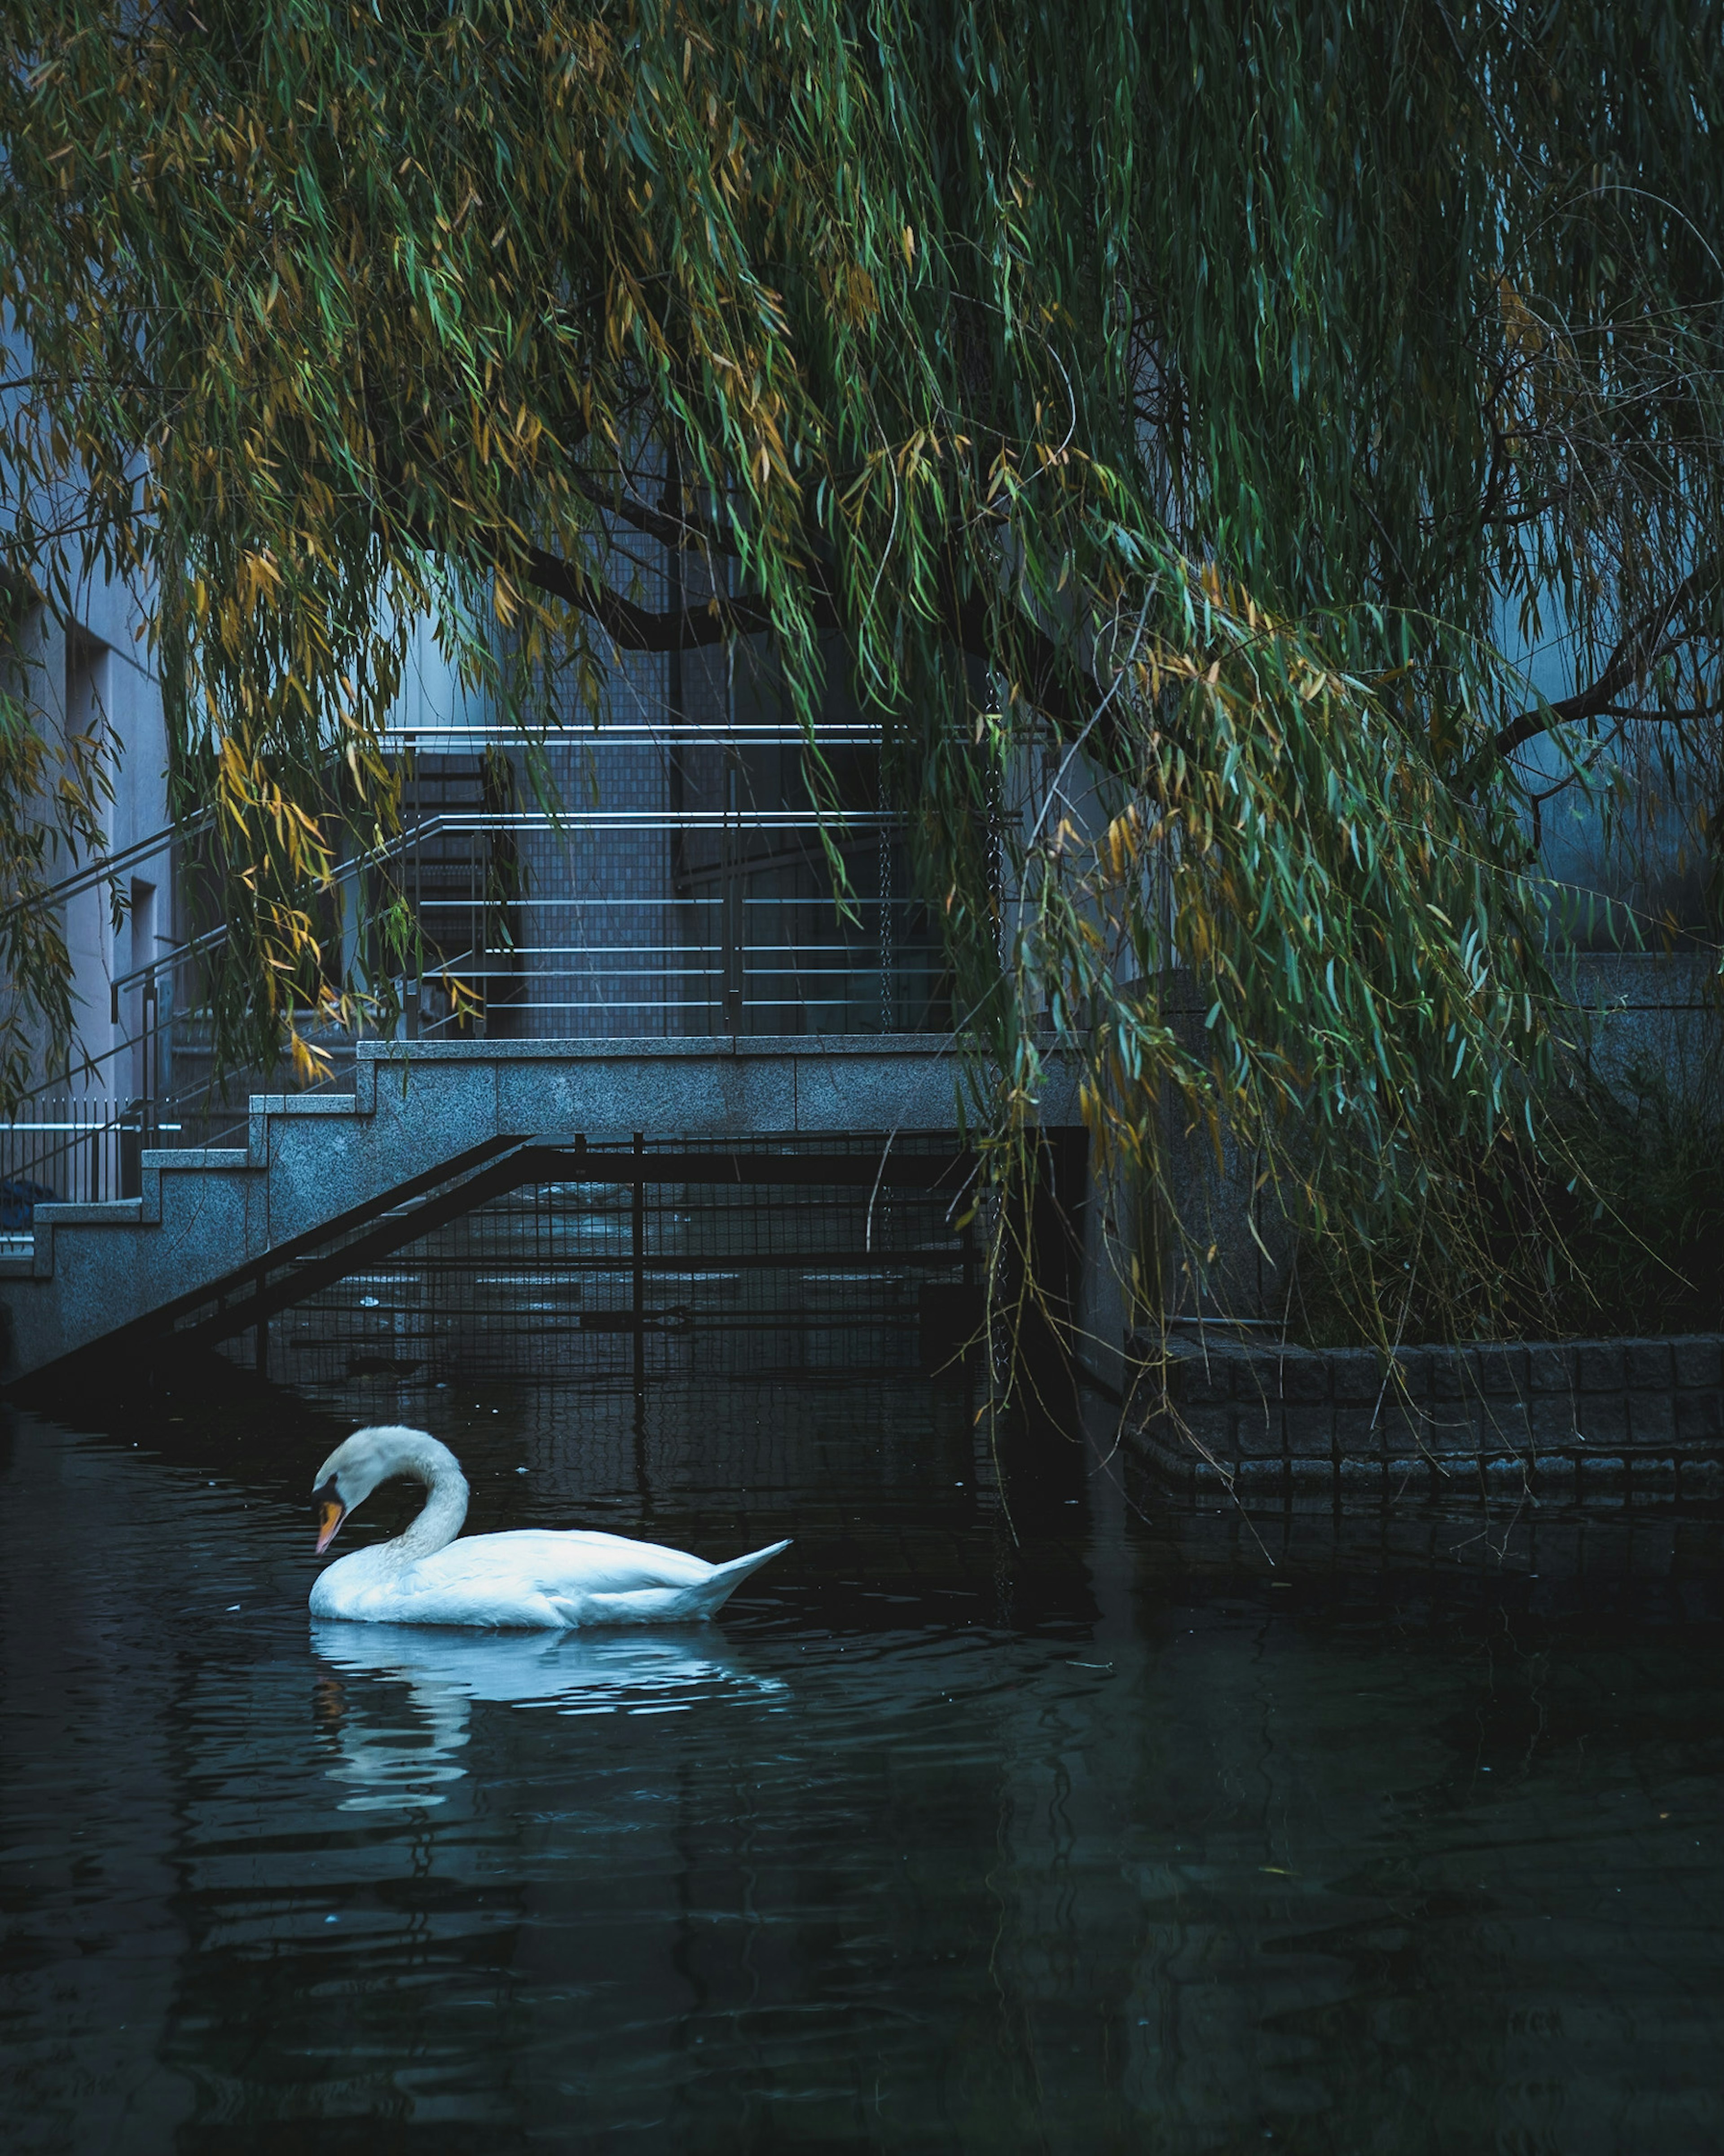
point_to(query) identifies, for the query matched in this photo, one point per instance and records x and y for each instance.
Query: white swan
(532, 1578)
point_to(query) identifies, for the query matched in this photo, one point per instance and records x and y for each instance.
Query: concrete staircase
(421, 1111)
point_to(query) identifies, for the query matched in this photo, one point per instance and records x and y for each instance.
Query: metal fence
(689, 884)
(62, 1151)
(748, 928)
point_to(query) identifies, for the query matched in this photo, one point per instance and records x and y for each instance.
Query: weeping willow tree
(1174, 414)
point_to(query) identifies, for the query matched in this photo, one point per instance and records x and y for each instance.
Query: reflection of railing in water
(628, 1263)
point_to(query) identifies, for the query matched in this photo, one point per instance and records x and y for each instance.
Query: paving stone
(1215, 1429)
(1599, 1366)
(1596, 1419)
(1303, 1377)
(1360, 1436)
(1357, 1376)
(1649, 1365)
(1550, 1369)
(1501, 1424)
(1603, 1420)
(1447, 1429)
(1311, 1432)
(1401, 1421)
(1195, 1383)
(1502, 1373)
(1652, 1418)
(1258, 1435)
(1552, 1418)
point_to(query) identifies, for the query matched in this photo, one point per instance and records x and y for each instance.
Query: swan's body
(530, 1579)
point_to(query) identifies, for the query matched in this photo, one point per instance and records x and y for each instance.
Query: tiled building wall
(683, 888)
(598, 923)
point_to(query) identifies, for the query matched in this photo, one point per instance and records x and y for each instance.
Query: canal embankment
(1604, 1420)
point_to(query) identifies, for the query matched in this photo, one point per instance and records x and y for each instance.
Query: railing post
(732, 925)
(886, 984)
(131, 1150)
(638, 1224)
(152, 1024)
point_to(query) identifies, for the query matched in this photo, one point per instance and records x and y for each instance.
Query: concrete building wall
(93, 676)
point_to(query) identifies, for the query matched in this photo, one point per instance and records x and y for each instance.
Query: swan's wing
(566, 1566)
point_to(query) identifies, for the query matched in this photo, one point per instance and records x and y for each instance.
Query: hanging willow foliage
(1168, 409)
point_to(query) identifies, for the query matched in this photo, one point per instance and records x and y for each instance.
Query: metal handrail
(110, 865)
(142, 975)
(588, 959)
(531, 820)
(480, 823)
(479, 820)
(90, 1151)
(641, 734)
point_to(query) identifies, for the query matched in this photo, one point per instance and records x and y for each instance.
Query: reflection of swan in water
(536, 1580)
(401, 1760)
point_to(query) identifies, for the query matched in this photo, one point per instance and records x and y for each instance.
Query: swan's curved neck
(427, 1461)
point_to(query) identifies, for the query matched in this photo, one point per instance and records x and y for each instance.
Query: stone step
(207, 1212)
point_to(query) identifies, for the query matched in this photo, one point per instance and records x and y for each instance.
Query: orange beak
(331, 1513)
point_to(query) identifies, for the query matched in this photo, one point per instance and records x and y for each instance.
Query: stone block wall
(1604, 1418)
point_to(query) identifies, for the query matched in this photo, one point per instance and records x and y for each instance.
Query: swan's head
(371, 1456)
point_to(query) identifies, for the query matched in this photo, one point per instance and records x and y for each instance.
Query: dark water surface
(1113, 1837)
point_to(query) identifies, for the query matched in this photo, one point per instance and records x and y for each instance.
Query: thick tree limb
(634, 628)
(1638, 651)
(966, 619)
(670, 530)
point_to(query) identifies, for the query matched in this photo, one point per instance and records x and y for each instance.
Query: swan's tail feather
(712, 1594)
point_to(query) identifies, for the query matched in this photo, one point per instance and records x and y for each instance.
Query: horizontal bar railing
(734, 928)
(109, 866)
(453, 822)
(75, 1152)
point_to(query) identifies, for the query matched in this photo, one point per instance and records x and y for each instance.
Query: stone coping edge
(696, 1046)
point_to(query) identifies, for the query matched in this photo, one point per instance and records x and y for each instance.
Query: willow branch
(1649, 641)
